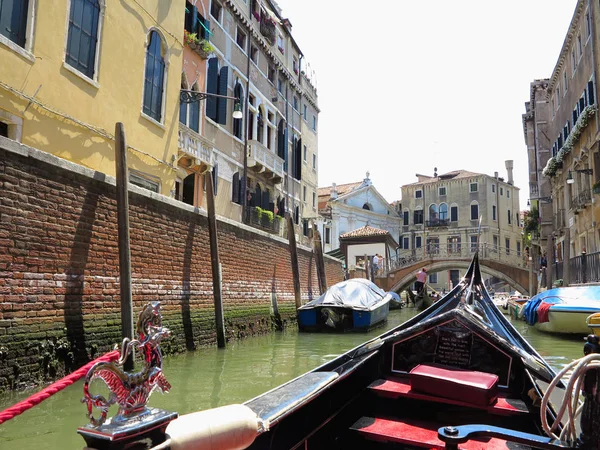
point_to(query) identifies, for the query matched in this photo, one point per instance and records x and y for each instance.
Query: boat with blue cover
(563, 310)
(356, 304)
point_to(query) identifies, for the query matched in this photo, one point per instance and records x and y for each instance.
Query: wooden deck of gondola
(420, 434)
(400, 388)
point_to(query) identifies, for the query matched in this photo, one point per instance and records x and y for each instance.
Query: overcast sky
(408, 85)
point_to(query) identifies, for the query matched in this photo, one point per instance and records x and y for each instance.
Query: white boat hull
(566, 322)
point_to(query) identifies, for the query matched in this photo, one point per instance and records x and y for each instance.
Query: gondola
(455, 376)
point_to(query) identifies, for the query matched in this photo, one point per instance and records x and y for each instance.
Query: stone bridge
(506, 266)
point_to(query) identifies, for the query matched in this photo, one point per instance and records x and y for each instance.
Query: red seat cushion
(477, 388)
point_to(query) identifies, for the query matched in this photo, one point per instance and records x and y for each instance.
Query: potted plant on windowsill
(202, 47)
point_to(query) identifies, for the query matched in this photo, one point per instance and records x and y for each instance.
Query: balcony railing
(198, 149)
(437, 223)
(294, 187)
(263, 221)
(585, 269)
(533, 189)
(584, 198)
(262, 159)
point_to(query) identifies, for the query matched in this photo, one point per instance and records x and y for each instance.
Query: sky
(405, 86)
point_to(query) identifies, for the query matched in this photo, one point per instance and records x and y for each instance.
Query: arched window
(154, 77)
(433, 213)
(443, 211)
(367, 207)
(237, 123)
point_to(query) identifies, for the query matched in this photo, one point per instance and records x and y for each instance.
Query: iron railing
(584, 268)
(437, 223)
(263, 221)
(584, 198)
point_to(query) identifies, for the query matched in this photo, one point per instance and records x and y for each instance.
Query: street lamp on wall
(570, 179)
(187, 96)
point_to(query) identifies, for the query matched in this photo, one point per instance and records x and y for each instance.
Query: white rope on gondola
(572, 404)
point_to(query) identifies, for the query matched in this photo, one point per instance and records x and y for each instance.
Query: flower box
(202, 48)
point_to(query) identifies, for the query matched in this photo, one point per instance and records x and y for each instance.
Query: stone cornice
(571, 33)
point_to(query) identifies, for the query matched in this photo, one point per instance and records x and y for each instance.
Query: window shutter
(194, 20)
(285, 149)
(211, 88)
(299, 159)
(205, 30)
(235, 188)
(222, 102)
(591, 94)
(215, 175)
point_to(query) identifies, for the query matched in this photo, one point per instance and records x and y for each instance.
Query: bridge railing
(458, 251)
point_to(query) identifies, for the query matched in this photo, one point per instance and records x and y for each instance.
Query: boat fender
(231, 427)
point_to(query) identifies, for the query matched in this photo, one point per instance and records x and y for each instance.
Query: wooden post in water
(123, 233)
(214, 259)
(294, 259)
(318, 251)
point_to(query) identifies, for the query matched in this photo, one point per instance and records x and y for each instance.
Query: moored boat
(352, 305)
(563, 310)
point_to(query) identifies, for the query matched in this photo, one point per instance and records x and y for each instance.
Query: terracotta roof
(365, 231)
(341, 189)
(454, 175)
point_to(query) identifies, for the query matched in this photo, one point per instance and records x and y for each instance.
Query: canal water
(208, 378)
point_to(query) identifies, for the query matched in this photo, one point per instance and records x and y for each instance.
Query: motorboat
(563, 310)
(356, 304)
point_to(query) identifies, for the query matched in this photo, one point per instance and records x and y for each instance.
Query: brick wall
(59, 286)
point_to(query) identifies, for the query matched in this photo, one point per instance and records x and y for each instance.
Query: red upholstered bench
(477, 388)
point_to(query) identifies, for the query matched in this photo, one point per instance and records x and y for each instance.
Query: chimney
(496, 175)
(509, 170)
(333, 194)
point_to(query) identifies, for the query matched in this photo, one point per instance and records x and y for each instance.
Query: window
(295, 65)
(237, 190)
(240, 38)
(493, 188)
(280, 46)
(418, 242)
(590, 92)
(13, 20)
(305, 113)
(405, 217)
(304, 193)
(271, 74)
(314, 200)
(305, 153)
(557, 96)
(494, 212)
(253, 54)
(474, 211)
(280, 85)
(473, 241)
(328, 235)
(501, 190)
(433, 213)
(216, 83)
(495, 243)
(215, 10)
(588, 25)
(473, 187)
(442, 191)
(433, 278)
(368, 207)
(443, 211)
(237, 123)
(418, 216)
(565, 83)
(573, 60)
(143, 181)
(195, 23)
(418, 193)
(405, 243)
(579, 46)
(154, 77)
(454, 213)
(82, 41)
(3, 129)
(509, 217)
(507, 193)
(295, 103)
(314, 161)
(507, 244)
(314, 125)
(518, 248)
(189, 113)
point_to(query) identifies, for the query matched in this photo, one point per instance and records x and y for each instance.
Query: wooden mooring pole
(123, 232)
(294, 259)
(318, 251)
(214, 259)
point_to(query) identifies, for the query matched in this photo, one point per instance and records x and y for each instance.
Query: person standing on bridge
(421, 278)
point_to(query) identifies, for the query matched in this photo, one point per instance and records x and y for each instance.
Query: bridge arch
(437, 266)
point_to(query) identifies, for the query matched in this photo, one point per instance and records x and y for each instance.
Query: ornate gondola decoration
(131, 390)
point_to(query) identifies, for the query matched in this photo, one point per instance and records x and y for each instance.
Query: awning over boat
(356, 293)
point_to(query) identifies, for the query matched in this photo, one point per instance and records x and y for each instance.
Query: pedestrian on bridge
(421, 279)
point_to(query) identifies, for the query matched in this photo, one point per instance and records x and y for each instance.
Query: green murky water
(210, 377)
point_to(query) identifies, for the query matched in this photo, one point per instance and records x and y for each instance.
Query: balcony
(582, 200)
(264, 161)
(437, 223)
(258, 219)
(195, 151)
(533, 190)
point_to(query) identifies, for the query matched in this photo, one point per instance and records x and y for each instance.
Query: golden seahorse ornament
(131, 390)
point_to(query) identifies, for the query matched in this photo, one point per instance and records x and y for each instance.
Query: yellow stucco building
(71, 69)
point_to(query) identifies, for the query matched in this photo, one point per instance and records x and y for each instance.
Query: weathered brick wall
(59, 285)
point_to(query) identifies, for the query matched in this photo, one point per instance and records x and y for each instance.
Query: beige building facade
(561, 129)
(441, 213)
